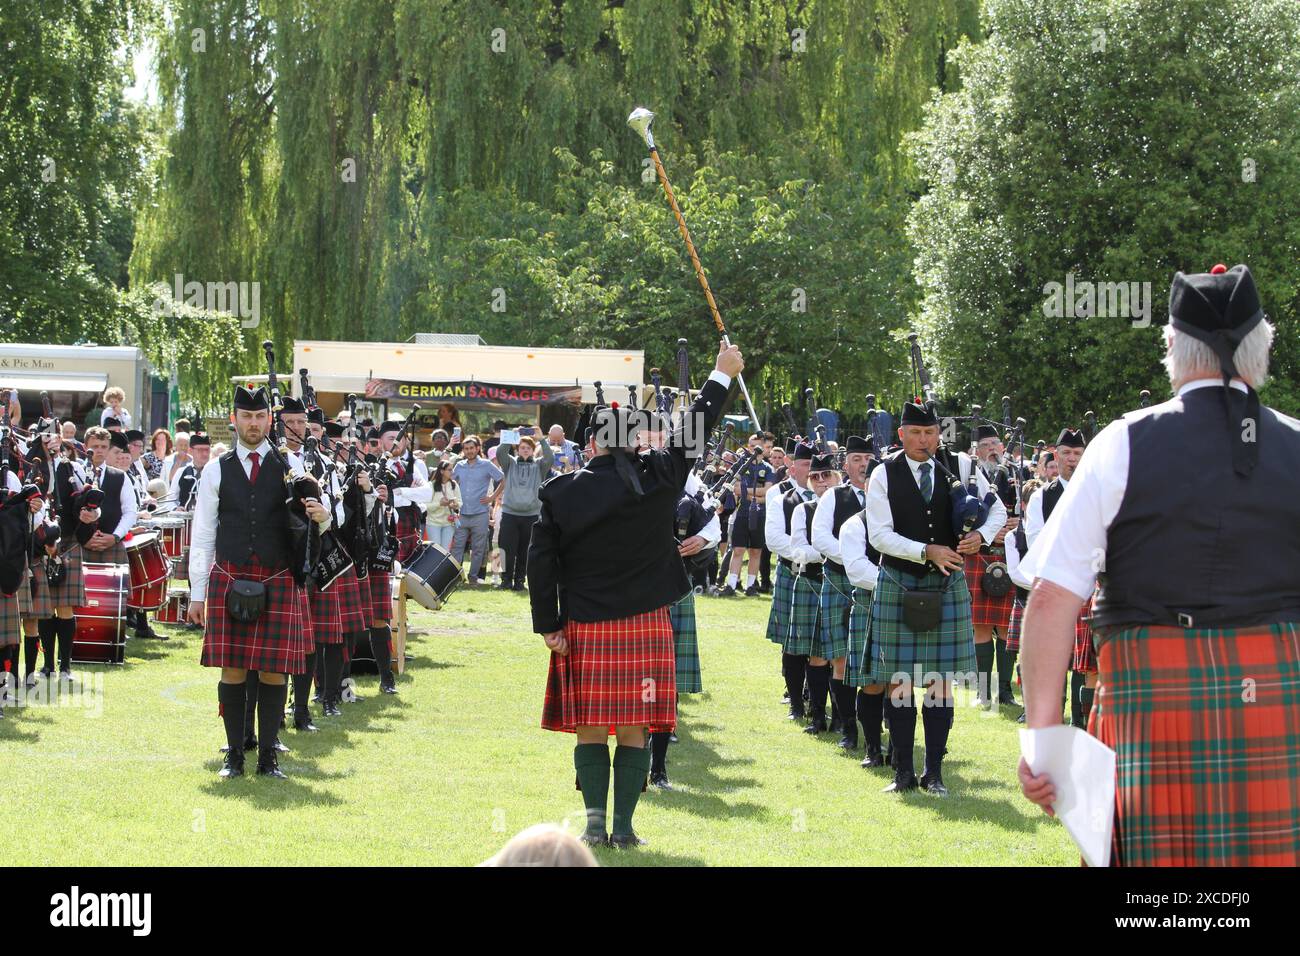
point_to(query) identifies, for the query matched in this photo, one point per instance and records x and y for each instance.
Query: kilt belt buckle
(1185, 620)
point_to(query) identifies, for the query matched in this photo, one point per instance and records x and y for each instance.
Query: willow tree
(369, 161)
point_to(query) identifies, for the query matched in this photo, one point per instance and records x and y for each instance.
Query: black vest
(110, 509)
(252, 519)
(915, 518)
(1194, 538)
(1051, 495)
(846, 506)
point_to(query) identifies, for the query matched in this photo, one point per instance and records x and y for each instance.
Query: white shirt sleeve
(860, 569)
(802, 554)
(203, 532)
(1072, 547)
(823, 538)
(778, 542)
(712, 532)
(129, 507)
(11, 480)
(1014, 568)
(880, 522)
(1034, 516)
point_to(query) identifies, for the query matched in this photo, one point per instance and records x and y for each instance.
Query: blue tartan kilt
(686, 645)
(857, 669)
(804, 615)
(778, 619)
(898, 650)
(836, 602)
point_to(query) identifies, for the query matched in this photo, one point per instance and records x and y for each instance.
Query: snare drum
(431, 575)
(173, 531)
(101, 635)
(175, 607)
(149, 570)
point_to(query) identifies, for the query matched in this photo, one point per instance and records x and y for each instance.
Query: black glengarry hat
(1070, 438)
(919, 413)
(251, 400)
(858, 444)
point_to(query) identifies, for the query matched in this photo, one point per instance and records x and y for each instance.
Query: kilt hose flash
(686, 645)
(898, 650)
(276, 642)
(1206, 732)
(986, 610)
(617, 673)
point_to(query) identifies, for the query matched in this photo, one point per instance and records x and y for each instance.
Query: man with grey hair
(1197, 620)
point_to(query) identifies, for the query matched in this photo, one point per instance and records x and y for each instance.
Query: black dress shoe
(332, 709)
(849, 742)
(660, 780)
(837, 725)
(517, 587)
(269, 766)
(751, 591)
(1021, 718)
(280, 748)
(874, 758)
(233, 766)
(797, 713)
(304, 724)
(672, 736)
(816, 727)
(388, 688)
(727, 591)
(1007, 697)
(625, 841)
(933, 783)
(901, 783)
(595, 839)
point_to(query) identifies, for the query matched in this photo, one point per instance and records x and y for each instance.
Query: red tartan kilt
(1085, 658)
(380, 600)
(617, 673)
(1013, 627)
(326, 626)
(408, 532)
(984, 609)
(354, 602)
(276, 642)
(1206, 734)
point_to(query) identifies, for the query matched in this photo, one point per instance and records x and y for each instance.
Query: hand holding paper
(1081, 771)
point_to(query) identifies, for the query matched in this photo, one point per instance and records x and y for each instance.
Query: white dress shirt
(203, 531)
(420, 491)
(778, 542)
(802, 553)
(880, 517)
(1072, 546)
(858, 567)
(823, 535)
(1014, 567)
(1034, 519)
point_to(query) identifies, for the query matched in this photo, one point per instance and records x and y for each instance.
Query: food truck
(74, 377)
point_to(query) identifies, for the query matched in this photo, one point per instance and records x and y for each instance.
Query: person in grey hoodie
(525, 466)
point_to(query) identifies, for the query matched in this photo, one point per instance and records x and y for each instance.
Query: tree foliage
(1119, 141)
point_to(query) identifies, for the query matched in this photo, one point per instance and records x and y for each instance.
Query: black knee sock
(795, 667)
(819, 684)
(270, 708)
(231, 700)
(333, 665)
(659, 752)
(66, 629)
(380, 643)
(252, 683)
(848, 716)
(870, 708)
(1086, 696)
(902, 729)
(984, 669)
(1076, 700)
(1006, 667)
(937, 719)
(302, 689)
(46, 629)
(319, 676)
(31, 648)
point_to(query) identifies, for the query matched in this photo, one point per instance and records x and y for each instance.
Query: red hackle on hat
(1218, 269)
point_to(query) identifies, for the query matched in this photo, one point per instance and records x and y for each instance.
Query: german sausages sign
(494, 393)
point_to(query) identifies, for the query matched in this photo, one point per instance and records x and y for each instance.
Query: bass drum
(150, 570)
(101, 630)
(431, 575)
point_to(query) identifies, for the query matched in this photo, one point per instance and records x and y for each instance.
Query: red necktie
(255, 458)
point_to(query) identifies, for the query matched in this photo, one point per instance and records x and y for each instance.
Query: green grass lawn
(447, 770)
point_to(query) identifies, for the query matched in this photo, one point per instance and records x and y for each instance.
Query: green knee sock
(592, 763)
(631, 764)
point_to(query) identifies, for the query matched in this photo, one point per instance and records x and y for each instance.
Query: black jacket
(598, 552)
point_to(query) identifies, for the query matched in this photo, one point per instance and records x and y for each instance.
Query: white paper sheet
(1082, 769)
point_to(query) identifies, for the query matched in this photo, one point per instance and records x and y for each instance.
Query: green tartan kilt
(895, 648)
(836, 602)
(857, 669)
(804, 614)
(686, 645)
(778, 619)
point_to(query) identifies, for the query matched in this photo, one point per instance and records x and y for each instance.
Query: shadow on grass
(643, 856)
(269, 793)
